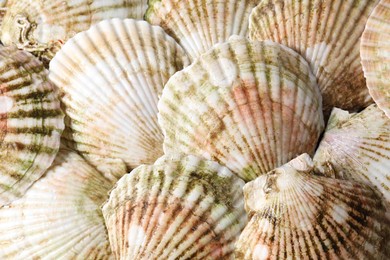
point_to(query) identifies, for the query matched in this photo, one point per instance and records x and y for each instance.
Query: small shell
(181, 207)
(375, 54)
(31, 122)
(198, 25)
(327, 34)
(42, 26)
(112, 76)
(251, 106)
(59, 217)
(357, 146)
(296, 215)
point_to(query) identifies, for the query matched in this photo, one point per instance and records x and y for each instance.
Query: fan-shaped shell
(375, 55)
(111, 76)
(251, 106)
(198, 25)
(357, 146)
(59, 217)
(296, 215)
(182, 207)
(327, 34)
(42, 26)
(31, 122)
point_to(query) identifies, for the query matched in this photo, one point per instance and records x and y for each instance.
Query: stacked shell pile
(194, 129)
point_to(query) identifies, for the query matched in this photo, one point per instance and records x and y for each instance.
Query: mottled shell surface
(198, 25)
(357, 147)
(297, 215)
(42, 26)
(251, 106)
(111, 77)
(375, 55)
(59, 217)
(327, 34)
(31, 122)
(182, 207)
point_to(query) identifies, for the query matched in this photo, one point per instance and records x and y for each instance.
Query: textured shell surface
(182, 207)
(327, 34)
(31, 122)
(42, 26)
(251, 106)
(295, 214)
(60, 216)
(375, 55)
(357, 147)
(111, 77)
(198, 25)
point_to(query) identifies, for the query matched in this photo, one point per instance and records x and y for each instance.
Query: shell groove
(31, 122)
(375, 55)
(182, 207)
(197, 25)
(59, 217)
(297, 215)
(249, 105)
(111, 84)
(327, 34)
(42, 26)
(357, 147)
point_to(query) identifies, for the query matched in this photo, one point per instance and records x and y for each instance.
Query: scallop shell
(42, 26)
(198, 25)
(182, 207)
(59, 217)
(327, 34)
(296, 215)
(251, 106)
(31, 122)
(375, 55)
(357, 146)
(111, 76)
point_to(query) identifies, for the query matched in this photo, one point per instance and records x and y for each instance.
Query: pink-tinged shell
(182, 207)
(357, 147)
(327, 34)
(297, 215)
(251, 106)
(375, 55)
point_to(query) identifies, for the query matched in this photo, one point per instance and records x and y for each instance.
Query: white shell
(59, 217)
(251, 106)
(357, 147)
(182, 207)
(111, 77)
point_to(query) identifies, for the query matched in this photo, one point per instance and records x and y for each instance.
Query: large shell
(296, 215)
(198, 25)
(42, 26)
(327, 33)
(31, 122)
(375, 55)
(251, 106)
(182, 207)
(357, 146)
(112, 76)
(59, 217)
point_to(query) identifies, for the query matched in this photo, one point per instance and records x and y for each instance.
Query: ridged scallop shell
(357, 146)
(251, 106)
(59, 217)
(198, 25)
(42, 26)
(297, 215)
(182, 207)
(375, 55)
(327, 34)
(112, 76)
(31, 122)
